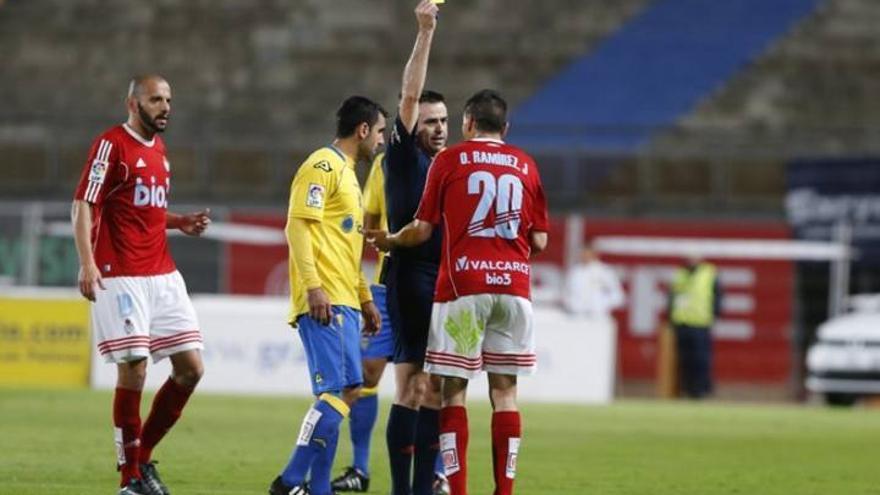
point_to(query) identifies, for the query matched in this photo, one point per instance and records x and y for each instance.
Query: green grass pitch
(62, 442)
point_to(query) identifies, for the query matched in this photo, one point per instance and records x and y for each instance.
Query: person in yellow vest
(694, 302)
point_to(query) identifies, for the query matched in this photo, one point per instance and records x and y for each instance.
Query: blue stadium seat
(651, 72)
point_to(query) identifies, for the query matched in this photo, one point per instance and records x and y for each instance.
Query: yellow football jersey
(326, 192)
(374, 203)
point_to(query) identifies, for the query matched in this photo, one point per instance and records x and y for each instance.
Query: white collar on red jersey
(131, 132)
(487, 140)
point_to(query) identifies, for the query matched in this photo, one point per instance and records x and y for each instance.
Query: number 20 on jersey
(505, 195)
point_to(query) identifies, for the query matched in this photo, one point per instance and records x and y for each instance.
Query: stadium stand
(807, 94)
(812, 93)
(652, 71)
(254, 88)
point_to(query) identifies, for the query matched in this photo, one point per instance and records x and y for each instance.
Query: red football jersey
(127, 180)
(487, 197)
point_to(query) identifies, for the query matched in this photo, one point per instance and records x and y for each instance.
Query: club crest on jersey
(323, 165)
(315, 196)
(98, 171)
(348, 224)
(155, 195)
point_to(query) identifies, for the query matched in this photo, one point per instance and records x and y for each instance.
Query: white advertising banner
(249, 349)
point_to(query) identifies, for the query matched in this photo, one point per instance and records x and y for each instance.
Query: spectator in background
(694, 302)
(592, 290)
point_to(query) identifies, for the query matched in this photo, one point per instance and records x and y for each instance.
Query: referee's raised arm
(416, 69)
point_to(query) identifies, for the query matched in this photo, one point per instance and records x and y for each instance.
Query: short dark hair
(429, 96)
(488, 110)
(354, 111)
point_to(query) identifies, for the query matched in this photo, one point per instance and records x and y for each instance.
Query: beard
(365, 153)
(150, 122)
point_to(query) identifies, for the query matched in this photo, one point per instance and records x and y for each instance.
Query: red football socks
(506, 435)
(127, 432)
(167, 408)
(453, 447)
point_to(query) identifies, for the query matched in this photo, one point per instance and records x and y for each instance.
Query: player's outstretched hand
(426, 14)
(195, 224)
(372, 318)
(89, 278)
(379, 240)
(320, 308)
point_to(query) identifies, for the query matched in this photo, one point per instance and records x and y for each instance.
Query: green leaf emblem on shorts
(464, 330)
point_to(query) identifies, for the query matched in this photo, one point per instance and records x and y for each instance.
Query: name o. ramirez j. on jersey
(488, 197)
(127, 180)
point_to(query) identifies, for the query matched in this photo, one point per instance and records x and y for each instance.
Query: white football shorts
(491, 332)
(137, 317)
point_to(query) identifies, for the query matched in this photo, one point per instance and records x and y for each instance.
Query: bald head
(138, 84)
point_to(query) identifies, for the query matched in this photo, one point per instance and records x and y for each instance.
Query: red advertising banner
(752, 337)
(262, 270)
(255, 269)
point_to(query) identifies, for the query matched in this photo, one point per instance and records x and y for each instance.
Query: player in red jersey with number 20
(140, 306)
(487, 197)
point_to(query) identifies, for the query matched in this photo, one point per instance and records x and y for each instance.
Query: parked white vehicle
(844, 363)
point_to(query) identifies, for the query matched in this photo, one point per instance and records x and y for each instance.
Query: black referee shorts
(410, 287)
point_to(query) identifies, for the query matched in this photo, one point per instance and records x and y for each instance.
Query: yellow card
(438, 1)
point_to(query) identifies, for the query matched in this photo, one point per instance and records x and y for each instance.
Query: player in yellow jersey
(376, 350)
(328, 291)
